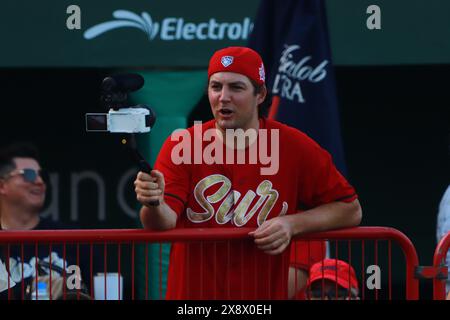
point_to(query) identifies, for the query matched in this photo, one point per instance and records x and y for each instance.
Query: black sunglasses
(332, 294)
(29, 175)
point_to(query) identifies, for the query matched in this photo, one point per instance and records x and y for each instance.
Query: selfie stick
(144, 166)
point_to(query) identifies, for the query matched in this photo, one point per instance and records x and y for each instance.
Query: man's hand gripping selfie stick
(144, 166)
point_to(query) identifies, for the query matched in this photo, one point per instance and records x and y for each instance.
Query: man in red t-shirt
(276, 180)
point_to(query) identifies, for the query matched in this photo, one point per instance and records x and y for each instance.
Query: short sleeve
(321, 182)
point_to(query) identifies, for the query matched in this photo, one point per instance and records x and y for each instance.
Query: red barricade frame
(438, 262)
(199, 234)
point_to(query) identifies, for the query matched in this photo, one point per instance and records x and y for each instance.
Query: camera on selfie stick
(121, 118)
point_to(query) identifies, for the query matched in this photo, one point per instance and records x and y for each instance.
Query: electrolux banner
(176, 33)
(121, 33)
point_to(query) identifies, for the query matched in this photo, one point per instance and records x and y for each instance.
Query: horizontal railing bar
(102, 235)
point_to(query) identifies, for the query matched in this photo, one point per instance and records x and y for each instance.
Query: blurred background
(391, 86)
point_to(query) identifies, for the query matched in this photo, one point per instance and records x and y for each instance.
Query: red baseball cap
(241, 60)
(334, 270)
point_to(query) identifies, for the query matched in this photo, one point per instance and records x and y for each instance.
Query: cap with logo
(334, 270)
(240, 60)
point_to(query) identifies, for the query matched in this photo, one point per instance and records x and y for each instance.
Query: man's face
(19, 192)
(233, 102)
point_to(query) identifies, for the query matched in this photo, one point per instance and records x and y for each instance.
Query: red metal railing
(133, 236)
(378, 234)
(439, 264)
(104, 237)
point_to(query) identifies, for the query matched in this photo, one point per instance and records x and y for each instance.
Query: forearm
(160, 217)
(329, 216)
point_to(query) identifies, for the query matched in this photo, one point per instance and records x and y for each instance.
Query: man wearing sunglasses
(22, 188)
(22, 196)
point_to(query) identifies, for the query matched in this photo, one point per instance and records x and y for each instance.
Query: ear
(262, 94)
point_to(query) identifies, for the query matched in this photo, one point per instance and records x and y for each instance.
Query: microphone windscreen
(126, 82)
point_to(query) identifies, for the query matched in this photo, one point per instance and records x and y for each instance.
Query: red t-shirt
(237, 195)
